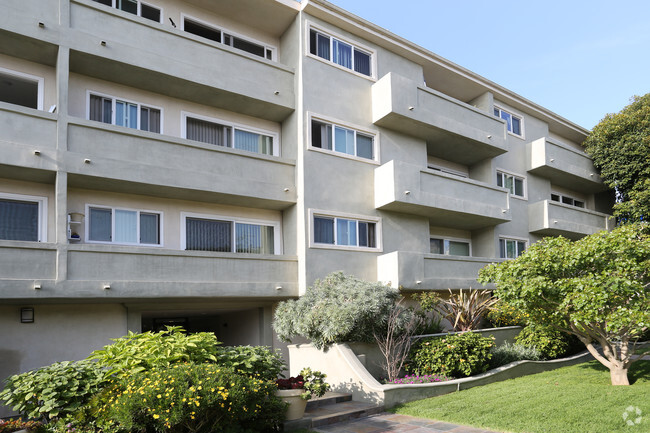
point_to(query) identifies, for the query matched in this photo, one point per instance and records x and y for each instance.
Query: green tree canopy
(597, 288)
(620, 148)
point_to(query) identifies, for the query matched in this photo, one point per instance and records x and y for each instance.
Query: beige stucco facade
(414, 189)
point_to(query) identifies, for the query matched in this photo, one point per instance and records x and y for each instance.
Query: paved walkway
(389, 422)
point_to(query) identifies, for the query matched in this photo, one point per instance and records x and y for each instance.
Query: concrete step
(330, 409)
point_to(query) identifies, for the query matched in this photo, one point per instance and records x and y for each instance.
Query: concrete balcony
(419, 271)
(454, 131)
(138, 162)
(447, 200)
(563, 166)
(137, 54)
(549, 218)
(24, 264)
(145, 273)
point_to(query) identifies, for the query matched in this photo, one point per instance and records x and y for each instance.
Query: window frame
(313, 213)
(113, 209)
(114, 100)
(42, 212)
(233, 126)
(356, 129)
(446, 240)
(139, 9)
(277, 231)
(514, 115)
(353, 44)
(514, 176)
(224, 31)
(513, 239)
(40, 81)
(562, 196)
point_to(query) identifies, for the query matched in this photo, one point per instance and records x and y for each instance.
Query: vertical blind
(253, 238)
(208, 235)
(207, 132)
(18, 220)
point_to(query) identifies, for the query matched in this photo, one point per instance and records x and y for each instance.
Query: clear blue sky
(580, 59)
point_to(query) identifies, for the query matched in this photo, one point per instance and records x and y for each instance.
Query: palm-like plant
(466, 309)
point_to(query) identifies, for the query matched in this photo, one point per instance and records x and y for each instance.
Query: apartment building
(193, 163)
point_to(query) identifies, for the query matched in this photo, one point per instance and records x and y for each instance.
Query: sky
(580, 59)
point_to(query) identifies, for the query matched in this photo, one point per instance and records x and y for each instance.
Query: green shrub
(502, 314)
(550, 342)
(57, 390)
(456, 355)
(337, 309)
(138, 352)
(507, 353)
(198, 398)
(257, 361)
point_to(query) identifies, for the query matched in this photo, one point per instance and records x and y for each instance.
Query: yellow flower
(156, 416)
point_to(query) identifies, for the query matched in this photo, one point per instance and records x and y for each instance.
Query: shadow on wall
(9, 365)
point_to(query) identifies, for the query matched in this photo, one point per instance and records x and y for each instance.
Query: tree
(620, 148)
(340, 308)
(597, 288)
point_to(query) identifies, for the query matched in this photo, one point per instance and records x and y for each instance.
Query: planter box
(296, 404)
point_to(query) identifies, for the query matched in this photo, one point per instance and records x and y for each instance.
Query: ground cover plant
(576, 399)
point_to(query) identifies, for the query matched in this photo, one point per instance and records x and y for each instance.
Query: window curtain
(206, 132)
(323, 46)
(149, 119)
(254, 239)
(346, 232)
(100, 109)
(344, 140)
(18, 220)
(342, 54)
(100, 225)
(149, 228)
(126, 226)
(361, 62)
(208, 235)
(323, 230)
(253, 142)
(458, 248)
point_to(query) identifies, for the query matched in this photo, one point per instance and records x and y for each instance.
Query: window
(447, 170)
(339, 52)
(225, 235)
(215, 34)
(515, 184)
(118, 112)
(336, 138)
(23, 218)
(450, 247)
(135, 7)
(514, 123)
(21, 89)
(561, 198)
(511, 248)
(123, 226)
(222, 134)
(345, 231)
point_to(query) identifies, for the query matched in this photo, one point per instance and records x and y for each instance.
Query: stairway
(333, 407)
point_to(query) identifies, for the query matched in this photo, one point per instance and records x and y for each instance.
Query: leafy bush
(187, 397)
(53, 391)
(339, 308)
(257, 361)
(508, 353)
(415, 379)
(456, 355)
(138, 352)
(313, 383)
(503, 314)
(550, 342)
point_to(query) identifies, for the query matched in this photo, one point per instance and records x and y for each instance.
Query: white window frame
(139, 10)
(332, 35)
(42, 211)
(512, 114)
(357, 129)
(223, 31)
(526, 241)
(445, 241)
(515, 175)
(572, 198)
(233, 126)
(114, 100)
(347, 216)
(39, 80)
(113, 209)
(277, 229)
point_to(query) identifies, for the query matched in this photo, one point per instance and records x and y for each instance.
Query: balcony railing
(550, 218)
(563, 166)
(28, 137)
(454, 131)
(447, 200)
(24, 265)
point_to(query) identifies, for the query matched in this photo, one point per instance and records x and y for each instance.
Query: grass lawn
(577, 399)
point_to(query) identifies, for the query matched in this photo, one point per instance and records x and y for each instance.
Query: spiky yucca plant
(465, 310)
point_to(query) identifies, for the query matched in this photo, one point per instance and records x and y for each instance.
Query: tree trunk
(618, 374)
